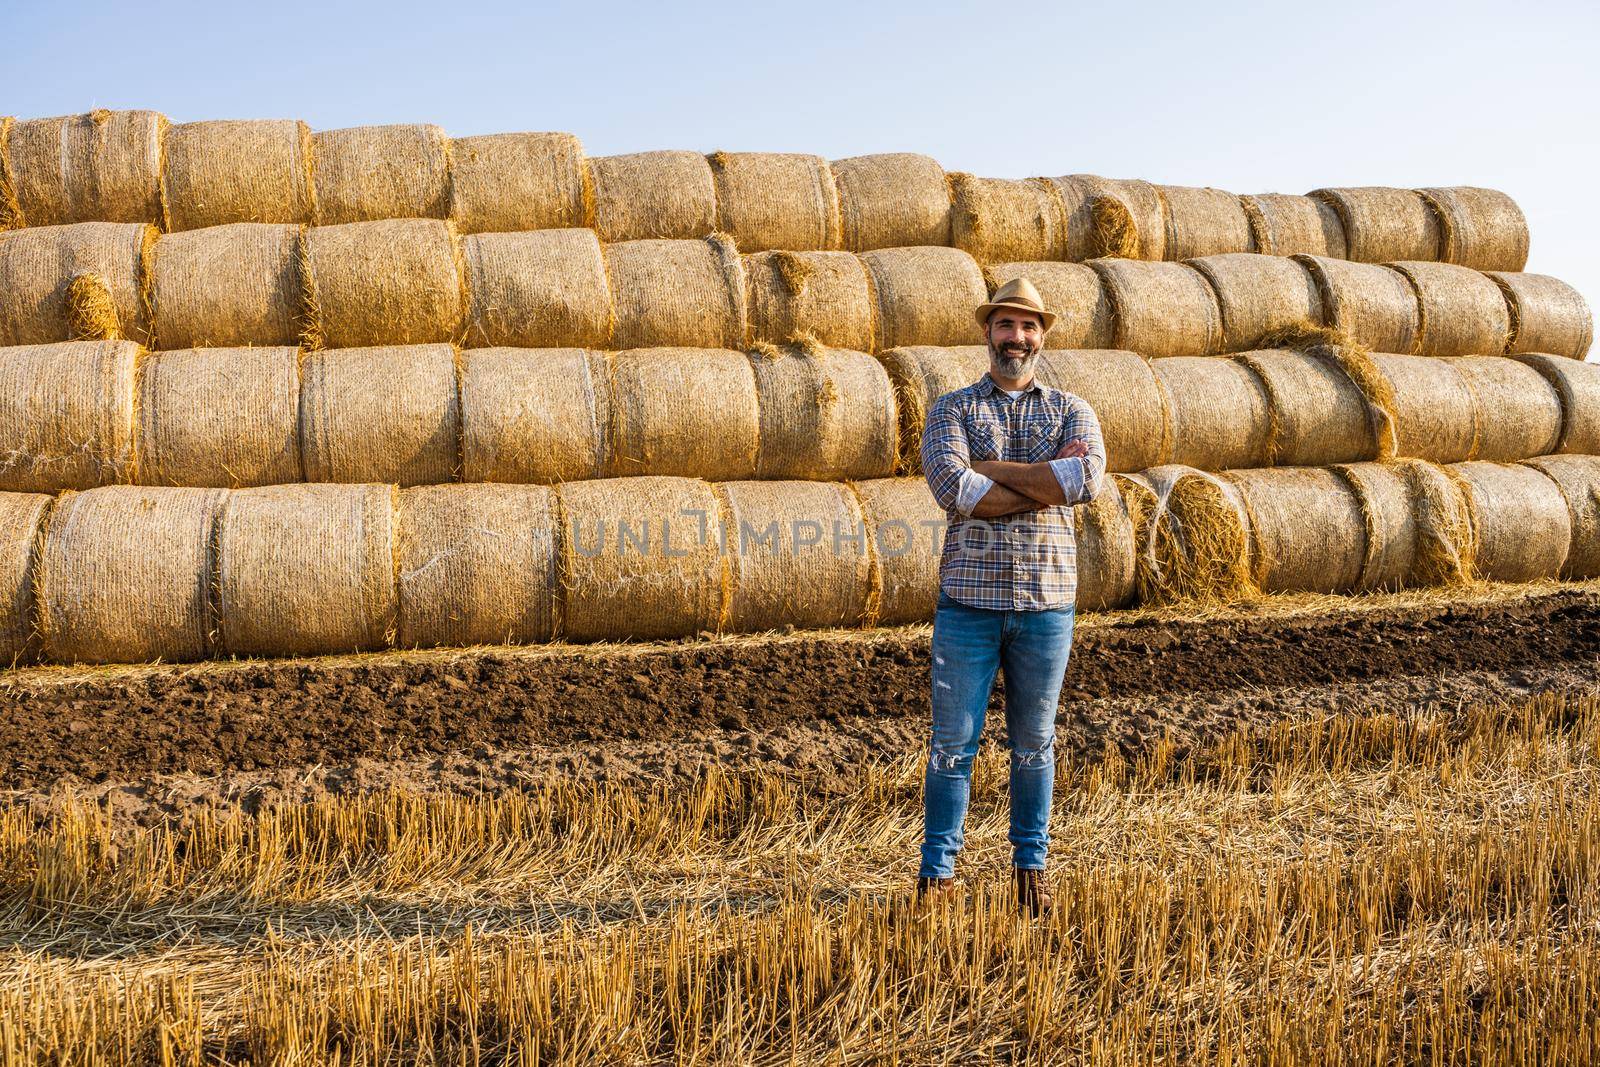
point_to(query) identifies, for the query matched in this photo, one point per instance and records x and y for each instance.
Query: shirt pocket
(1041, 439)
(983, 440)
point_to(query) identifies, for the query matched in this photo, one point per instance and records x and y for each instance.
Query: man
(1007, 458)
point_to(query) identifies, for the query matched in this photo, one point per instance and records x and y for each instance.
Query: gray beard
(1013, 367)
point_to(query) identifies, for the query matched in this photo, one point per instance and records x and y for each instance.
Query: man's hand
(1073, 449)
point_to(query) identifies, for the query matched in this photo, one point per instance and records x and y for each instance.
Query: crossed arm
(995, 488)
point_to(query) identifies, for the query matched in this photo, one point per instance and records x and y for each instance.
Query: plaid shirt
(1024, 562)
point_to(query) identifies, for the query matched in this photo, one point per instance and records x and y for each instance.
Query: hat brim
(985, 310)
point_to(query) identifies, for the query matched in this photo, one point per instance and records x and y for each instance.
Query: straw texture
(104, 166)
(1112, 217)
(228, 285)
(922, 374)
(1418, 527)
(1219, 412)
(222, 417)
(1463, 311)
(538, 415)
(1107, 551)
(677, 294)
(825, 414)
(505, 182)
(998, 220)
(306, 569)
(66, 415)
(1285, 225)
(1071, 290)
(375, 283)
(368, 173)
(1434, 410)
(22, 517)
(1308, 529)
(1127, 396)
(1519, 412)
(825, 296)
(541, 289)
(772, 200)
(925, 296)
(684, 411)
(1193, 535)
(38, 265)
(1319, 414)
(1382, 225)
(1577, 384)
(380, 415)
(1547, 315)
(1578, 479)
(1374, 306)
(1162, 309)
(227, 171)
(894, 200)
(10, 211)
(653, 194)
(1480, 228)
(1204, 222)
(908, 530)
(1520, 521)
(477, 565)
(799, 555)
(1259, 296)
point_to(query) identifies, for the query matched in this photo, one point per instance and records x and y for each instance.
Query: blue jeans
(969, 646)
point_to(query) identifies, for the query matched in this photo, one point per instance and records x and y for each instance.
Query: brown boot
(932, 890)
(1033, 892)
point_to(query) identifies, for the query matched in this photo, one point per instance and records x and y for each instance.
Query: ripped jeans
(969, 646)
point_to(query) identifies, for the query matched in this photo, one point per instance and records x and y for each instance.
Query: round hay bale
(380, 415)
(1126, 394)
(1204, 222)
(1547, 315)
(997, 220)
(225, 417)
(476, 565)
(37, 268)
(653, 194)
(691, 412)
(538, 415)
(1519, 412)
(1106, 551)
(893, 200)
(1193, 534)
(66, 415)
(826, 415)
(907, 528)
(125, 575)
(771, 200)
(1308, 528)
(1286, 225)
(924, 296)
(825, 296)
(1319, 413)
(1578, 479)
(1219, 413)
(641, 558)
(104, 166)
(306, 570)
(922, 374)
(1520, 523)
(368, 173)
(1480, 228)
(22, 517)
(506, 182)
(799, 555)
(227, 171)
(1071, 290)
(10, 210)
(225, 286)
(1435, 415)
(677, 294)
(1418, 525)
(396, 282)
(1259, 296)
(1111, 217)
(1462, 310)
(1375, 306)
(1577, 384)
(1383, 225)
(539, 289)
(1161, 309)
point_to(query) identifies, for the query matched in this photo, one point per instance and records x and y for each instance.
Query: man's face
(1015, 338)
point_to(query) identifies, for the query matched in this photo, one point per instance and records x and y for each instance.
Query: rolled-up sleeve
(1080, 477)
(947, 461)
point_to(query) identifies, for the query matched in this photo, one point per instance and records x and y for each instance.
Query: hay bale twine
(677, 294)
(1547, 315)
(66, 415)
(1578, 479)
(1219, 413)
(826, 414)
(907, 528)
(388, 414)
(396, 282)
(1383, 225)
(641, 558)
(1462, 310)
(22, 517)
(539, 415)
(1434, 413)
(771, 200)
(1318, 412)
(1418, 525)
(798, 554)
(1519, 412)
(924, 296)
(1071, 290)
(1286, 225)
(691, 412)
(922, 374)
(104, 166)
(1259, 296)
(825, 296)
(1107, 553)
(223, 286)
(306, 570)
(221, 417)
(1372, 305)
(539, 289)
(1124, 218)
(506, 182)
(1480, 228)
(125, 575)
(1127, 396)
(228, 171)
(37, 269)
(1520, 524)
(1204, 222)
(653, 194)
(368, 173)
(476, 565)
(1161, 309)
(998, 220)
(1577, 384)
(1308, 528)
(891, 200)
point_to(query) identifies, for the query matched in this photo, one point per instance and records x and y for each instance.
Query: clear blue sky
(1248, 97)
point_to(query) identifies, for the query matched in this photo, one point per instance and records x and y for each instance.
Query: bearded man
(1007, 458)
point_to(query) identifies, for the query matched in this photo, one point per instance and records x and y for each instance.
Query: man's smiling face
(1015, 339)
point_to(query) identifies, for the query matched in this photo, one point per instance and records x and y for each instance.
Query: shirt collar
(988, 387)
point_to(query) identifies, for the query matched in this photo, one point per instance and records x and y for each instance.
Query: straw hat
(1020, 295)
